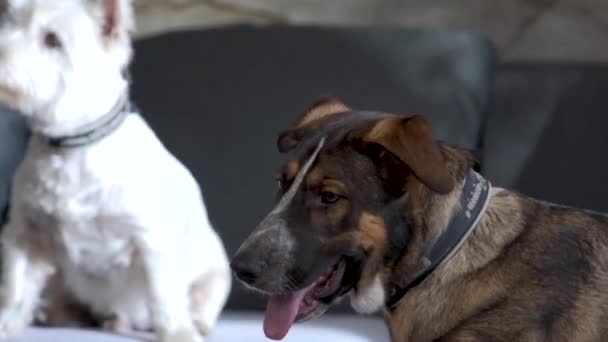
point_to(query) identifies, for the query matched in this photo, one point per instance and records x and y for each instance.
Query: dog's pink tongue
(281, 312)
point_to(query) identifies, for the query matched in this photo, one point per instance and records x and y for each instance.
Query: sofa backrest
(545, 133)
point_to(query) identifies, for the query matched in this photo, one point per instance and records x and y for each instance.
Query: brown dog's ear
(410, 141)
(321, 109)
(288, 140)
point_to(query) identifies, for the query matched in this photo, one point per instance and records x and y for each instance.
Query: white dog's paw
(117, 325)
(13, 321)
(182, 335)
(203, 328)
(126, 324)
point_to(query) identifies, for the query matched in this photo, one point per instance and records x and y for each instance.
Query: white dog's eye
(52, 41)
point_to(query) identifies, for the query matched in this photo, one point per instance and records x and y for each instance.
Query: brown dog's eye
(52, 41)
(329, 197)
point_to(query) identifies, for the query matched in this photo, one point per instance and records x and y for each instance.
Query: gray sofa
(218, 98)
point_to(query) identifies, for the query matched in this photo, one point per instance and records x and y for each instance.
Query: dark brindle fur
(379, 193)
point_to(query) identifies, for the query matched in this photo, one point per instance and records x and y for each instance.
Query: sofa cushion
(218, 98)
(546, 133)
(13, 138)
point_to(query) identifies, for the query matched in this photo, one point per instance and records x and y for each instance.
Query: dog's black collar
(473, 202)
(97, 130)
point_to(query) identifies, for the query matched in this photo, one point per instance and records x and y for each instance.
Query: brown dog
(371, 206)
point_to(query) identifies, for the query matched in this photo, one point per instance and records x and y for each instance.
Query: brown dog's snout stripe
(290, 194)
(273, 219)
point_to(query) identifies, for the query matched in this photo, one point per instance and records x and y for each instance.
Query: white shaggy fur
(370, 299)
(121, 220)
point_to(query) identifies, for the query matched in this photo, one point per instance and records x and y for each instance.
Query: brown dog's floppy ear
(287, 141)
(321, 109)
(410, 140)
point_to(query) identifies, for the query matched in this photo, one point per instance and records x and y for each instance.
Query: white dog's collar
(97, 130)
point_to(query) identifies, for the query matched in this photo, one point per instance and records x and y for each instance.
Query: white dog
(98, 199)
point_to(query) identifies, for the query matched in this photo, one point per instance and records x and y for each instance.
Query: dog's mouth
(284, 310)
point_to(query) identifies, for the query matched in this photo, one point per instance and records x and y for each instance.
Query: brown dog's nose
(246, 267)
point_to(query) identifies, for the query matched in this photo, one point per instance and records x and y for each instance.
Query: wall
(546, 30)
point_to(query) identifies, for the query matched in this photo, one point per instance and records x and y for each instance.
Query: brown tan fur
(485, 293)
(372, 235)
(292, 168)
(320, 110)
(479, 276)
(413, 144)
(371, 232)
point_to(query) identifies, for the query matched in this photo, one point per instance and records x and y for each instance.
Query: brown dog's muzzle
(265, 256)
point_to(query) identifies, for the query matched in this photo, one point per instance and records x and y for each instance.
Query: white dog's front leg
(169, 298)
(25, 270)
